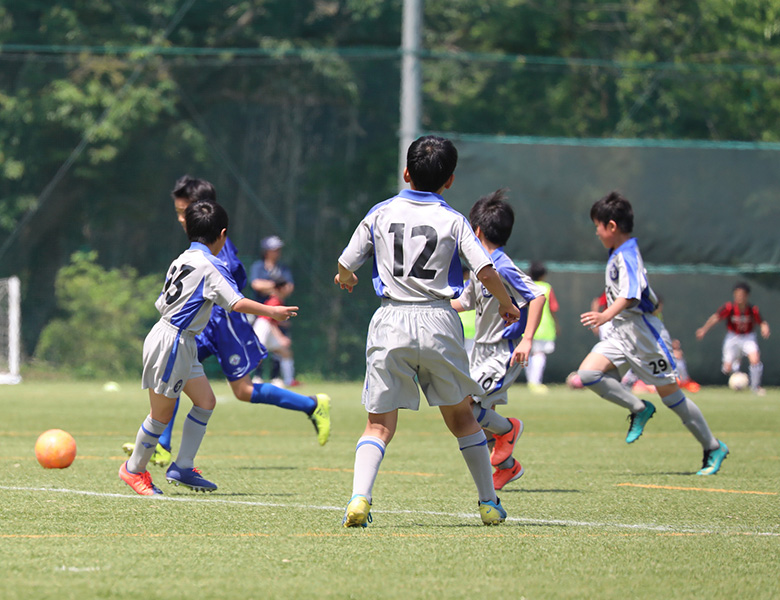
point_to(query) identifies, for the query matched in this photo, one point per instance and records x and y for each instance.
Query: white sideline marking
(556, 522)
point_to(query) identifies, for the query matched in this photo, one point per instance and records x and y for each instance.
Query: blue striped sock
(145, 443)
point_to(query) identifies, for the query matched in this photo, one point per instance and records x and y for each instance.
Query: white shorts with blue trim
(170, 359)
(490, 369)
(410, 344)
(641, 343)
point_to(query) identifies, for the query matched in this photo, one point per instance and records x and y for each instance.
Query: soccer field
(591, 518)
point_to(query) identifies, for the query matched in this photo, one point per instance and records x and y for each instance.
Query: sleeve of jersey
(522, 286)
(221, 288)
(360, 247)
(724, 311)
(629, 277)
(470, 249)
(468, 298)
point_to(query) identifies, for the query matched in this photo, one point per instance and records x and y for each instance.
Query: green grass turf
(591, 518)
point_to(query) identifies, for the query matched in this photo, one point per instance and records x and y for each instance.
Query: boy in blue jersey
(499, 353)
(196, 281)
(415, 337)
(637, 339)
(229, 336)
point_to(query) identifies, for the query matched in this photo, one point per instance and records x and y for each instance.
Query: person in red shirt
(741, 320)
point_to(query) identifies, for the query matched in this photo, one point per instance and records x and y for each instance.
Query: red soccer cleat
(505, 443)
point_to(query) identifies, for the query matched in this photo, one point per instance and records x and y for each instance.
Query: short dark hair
(194, 189)
(205, 220)
(742, 285)
(431, 160)
(537, 270)
(494, 216)
(613, 207)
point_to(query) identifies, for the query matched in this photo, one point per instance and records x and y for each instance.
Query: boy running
(499, 353)
(637, 339)
(196, 281)
(229, 336)
(415, 338)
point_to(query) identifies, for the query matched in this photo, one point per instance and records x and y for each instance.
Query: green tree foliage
(102, 319)
(291, 110)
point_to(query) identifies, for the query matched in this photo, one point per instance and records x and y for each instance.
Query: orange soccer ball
(55, 449)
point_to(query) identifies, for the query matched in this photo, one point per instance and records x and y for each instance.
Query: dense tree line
(291, 109)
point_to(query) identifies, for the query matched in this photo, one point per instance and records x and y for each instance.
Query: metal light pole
(411, 80)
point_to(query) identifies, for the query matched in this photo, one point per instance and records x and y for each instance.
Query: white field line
(671, 529)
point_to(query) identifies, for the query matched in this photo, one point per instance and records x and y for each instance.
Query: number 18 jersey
(418, 243)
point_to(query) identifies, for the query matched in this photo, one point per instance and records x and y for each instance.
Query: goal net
(10, 342)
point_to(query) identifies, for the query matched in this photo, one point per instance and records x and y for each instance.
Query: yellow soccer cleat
(321, 418)
(492, 513)
(358, 512)
(160, 458)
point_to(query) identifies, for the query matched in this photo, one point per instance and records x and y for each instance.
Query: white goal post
(10, 330)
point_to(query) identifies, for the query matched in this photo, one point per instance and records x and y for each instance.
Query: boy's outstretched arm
(277, 313)
(492, 282)
(523, 350)
(593, 319)
(708, 324)
(345, 278)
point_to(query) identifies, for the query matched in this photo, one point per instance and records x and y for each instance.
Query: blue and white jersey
(626, 277)
(419, 245)
(490, 327)
(196, 281)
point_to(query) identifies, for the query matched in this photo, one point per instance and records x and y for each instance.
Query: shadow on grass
(530, 491)
(656, 473)
(268, 468)
(475, 525)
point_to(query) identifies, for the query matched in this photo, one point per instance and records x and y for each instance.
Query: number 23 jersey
(196, 281)
(417, 241)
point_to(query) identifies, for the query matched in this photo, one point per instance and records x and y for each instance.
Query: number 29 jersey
(418, 243)
(196, 281)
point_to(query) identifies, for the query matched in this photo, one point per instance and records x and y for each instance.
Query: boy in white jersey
(637, 339)
(195, 282)
(417, 242)
(500, 353)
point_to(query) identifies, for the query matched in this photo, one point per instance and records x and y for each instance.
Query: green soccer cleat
(713, 459)
(358, 512)
(638, 422)
(321, 418)
(492, 513)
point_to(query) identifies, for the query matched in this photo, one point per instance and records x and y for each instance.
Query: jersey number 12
(418, 269)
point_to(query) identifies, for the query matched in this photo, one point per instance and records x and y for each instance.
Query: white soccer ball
(739, 381)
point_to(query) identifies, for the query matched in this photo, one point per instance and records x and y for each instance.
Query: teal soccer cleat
(713, 459)
(638, 422)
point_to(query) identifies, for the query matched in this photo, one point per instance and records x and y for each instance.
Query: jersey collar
(199, 246)
(420, 196)
(497, 253)
(630, 243)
